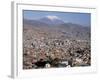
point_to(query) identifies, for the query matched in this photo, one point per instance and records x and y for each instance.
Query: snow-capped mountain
(55, 25)
(51, 20)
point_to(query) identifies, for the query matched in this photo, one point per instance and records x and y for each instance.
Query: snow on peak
(52, 17)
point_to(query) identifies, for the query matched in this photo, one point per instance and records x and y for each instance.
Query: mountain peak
(51, 20)
(53, 17)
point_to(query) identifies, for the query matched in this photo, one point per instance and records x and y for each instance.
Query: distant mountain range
(49, 21)
(56, 24)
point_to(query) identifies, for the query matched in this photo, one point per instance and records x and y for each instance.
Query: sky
(68, 17)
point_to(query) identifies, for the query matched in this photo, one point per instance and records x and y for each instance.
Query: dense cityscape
(56, 40)
(44, 48)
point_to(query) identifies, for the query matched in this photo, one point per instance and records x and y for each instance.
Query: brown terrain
(64, 45)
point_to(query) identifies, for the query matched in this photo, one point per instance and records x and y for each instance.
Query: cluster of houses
(55, 52)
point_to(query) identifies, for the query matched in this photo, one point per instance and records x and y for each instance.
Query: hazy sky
(72, 17)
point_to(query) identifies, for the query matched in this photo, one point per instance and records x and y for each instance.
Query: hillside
(54, 44)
